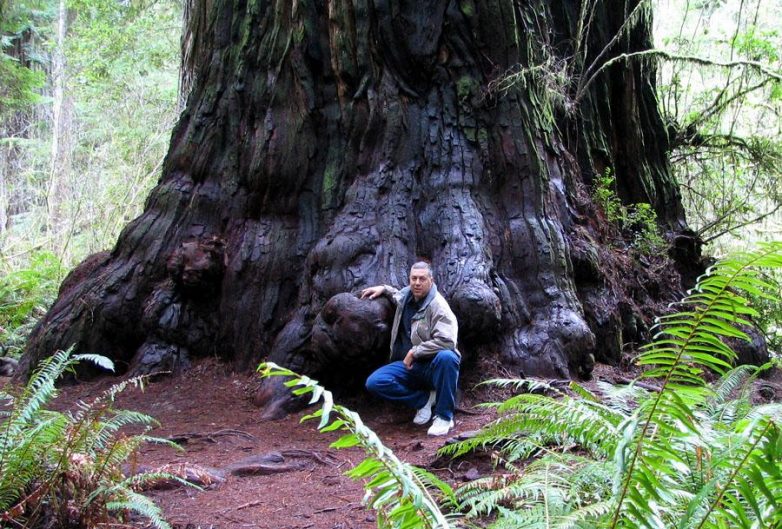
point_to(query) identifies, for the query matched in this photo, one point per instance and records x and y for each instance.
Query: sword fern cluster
(689, 455)
(64, 469)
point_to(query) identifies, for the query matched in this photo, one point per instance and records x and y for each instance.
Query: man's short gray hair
(422, 265)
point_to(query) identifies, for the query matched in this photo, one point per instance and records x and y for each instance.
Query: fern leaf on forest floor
(70, 460)
(398, 492)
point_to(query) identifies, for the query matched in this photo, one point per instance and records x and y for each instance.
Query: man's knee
(378, 380)
(373, 382)
(446, 358)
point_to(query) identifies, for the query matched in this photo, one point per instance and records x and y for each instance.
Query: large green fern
(691, 455)
(64, 468)
(689, 343)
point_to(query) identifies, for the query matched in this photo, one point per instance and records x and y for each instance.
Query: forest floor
(211, 414)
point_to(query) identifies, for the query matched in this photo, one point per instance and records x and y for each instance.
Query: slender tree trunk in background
(18, 126)
(326, 146)
(13, 127)
(9, 129)
(4, 164)
(4, 159)
(62, 112)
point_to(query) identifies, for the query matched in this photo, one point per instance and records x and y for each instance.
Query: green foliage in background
(688, 455)
(720, 90)
(637, 222)
(123, 59)
(21, 66)
(721, 94)
(398, 492)
(18, 85)
(64, 469)
(25, 294)
(121, 75)
(769, 320)
(604, 196)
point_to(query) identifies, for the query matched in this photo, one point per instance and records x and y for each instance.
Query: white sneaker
(423, 415)
(440, 426)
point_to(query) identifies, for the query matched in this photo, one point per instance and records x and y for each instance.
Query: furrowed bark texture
(327, 145)
(195, 19)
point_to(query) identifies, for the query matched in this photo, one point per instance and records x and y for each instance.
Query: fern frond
(530, 422)
(77, 455)
(584, 517)
(685, 345)
(542, 516)
(432, 482)
(98, 360)
(567, 483)
(623, 399)
(127, 500)
(487, 495)
(111, 394)
(97, 434)
(731, 381)
(39, 390)
(524, 385)
(772, 412)
(138, 481)
(393, 488)
(749, 466)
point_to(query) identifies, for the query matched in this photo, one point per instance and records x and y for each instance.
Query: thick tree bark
(194, 43)
(327, 145)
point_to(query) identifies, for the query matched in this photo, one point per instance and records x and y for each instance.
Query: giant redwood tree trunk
(328, 144)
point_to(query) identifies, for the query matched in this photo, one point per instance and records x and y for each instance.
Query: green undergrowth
(25, 294)
(64, 469)
(636, 222)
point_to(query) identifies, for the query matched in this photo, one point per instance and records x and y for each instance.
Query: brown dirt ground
(213, 410)
(216, 407)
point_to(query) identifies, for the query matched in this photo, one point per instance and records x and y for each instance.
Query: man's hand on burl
(372, 292)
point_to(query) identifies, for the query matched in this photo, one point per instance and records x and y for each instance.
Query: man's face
(420, 283)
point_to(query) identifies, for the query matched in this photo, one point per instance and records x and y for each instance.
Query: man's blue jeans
(411, 387)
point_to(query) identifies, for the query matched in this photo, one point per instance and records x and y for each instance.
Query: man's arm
(379, 290)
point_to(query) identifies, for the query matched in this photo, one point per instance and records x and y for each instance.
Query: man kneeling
(424, 363)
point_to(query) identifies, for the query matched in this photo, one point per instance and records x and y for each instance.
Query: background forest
(87, 104)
